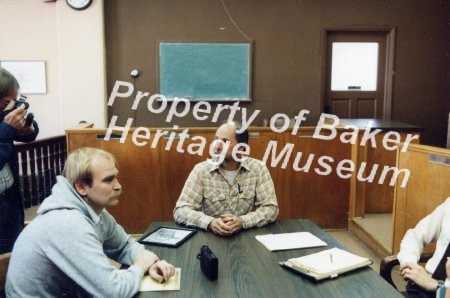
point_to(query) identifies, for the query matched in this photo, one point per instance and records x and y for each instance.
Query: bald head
(236, 126)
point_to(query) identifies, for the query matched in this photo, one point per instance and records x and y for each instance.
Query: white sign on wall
(29, 74)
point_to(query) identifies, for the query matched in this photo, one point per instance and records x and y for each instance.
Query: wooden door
(355, 102)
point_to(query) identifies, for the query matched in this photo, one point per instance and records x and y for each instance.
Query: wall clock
(79, 4)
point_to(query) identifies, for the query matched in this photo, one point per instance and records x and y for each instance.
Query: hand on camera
(16, 117)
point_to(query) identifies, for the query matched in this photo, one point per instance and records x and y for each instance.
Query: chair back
(4, 262)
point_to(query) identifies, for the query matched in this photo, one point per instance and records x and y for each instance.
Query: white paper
(286, 241)
(173, 284)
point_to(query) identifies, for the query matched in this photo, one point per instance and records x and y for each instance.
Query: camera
(209, 263)
(20, 101)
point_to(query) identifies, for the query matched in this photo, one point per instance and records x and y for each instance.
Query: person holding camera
(13, 127)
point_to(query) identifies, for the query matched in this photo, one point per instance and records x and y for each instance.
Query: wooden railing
(39, 164)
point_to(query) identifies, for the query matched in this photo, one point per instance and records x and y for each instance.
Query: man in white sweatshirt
(65, 249)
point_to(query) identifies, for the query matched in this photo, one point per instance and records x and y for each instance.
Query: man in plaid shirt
(228, 196)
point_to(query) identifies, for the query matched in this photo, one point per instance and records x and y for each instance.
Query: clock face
(79, 4)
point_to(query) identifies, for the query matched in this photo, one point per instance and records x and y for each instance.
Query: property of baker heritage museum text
(202, 111)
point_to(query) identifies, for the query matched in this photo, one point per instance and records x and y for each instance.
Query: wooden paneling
(366, 108)
(321, 198)
(427, 188)
(306, 194)
(341, 107)
(374, 197)
(152, 178)
(379, 198)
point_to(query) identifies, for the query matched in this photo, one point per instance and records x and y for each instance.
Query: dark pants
(11, 221)
(414, 291)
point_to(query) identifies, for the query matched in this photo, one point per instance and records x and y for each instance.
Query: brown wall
(287, 62)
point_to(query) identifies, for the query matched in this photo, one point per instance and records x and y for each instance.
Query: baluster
(23, 179)
(46, 172)
(52, 167)
(40, 175)
(61, 157)
(33, 178)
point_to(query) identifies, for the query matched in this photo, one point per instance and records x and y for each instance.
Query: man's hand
(158, 270)
(226, 225)
(219, 227)
(234, 222)
(145, 259)
(161, 271)
(418, 275)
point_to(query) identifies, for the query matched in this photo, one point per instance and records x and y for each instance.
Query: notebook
(284, 241)
(327, 263)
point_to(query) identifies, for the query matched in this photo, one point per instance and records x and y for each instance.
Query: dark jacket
(11, 204)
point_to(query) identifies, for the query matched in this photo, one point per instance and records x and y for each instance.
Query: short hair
(240, 137)
(77, 168)
(8, 83)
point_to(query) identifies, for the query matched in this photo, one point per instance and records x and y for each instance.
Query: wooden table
(248, 269)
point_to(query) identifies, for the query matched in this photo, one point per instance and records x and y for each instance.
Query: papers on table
(327, 263)
(286, 241)
(149, 284)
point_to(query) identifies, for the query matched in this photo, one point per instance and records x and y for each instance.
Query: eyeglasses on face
(20, 98)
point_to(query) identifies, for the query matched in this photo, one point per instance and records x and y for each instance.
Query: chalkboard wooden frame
(205, 71)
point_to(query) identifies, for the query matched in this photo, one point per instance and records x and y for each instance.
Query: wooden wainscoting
(428, 187)
(152, 178)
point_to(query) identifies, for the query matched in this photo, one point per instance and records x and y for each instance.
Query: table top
(384, 125)
(248, 269)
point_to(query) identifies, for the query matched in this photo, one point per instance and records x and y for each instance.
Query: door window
(354, 66)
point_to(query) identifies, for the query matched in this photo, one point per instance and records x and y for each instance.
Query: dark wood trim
(389, 65)
(389, 76)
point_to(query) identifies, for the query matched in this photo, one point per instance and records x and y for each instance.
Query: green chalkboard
(205, 71)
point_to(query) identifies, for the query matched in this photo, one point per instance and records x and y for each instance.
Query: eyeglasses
(4, 101)
(20, 98)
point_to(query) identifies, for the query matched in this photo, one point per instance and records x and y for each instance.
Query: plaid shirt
(6, 178)
(207, 194)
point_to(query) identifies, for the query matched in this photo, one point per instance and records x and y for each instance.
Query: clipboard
(167, 236)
